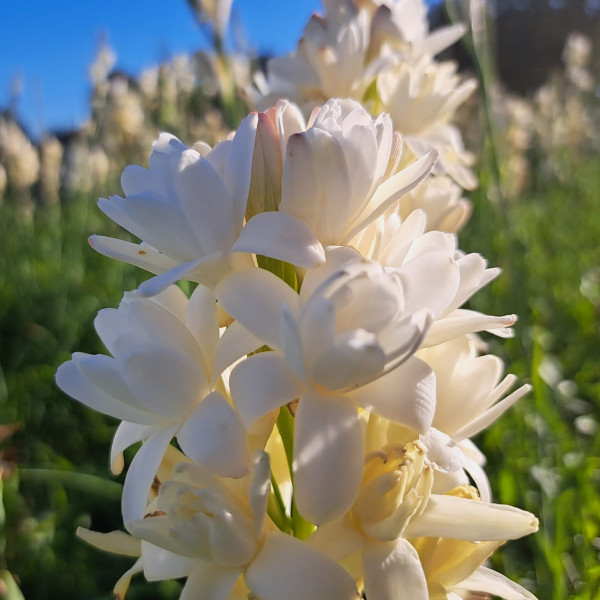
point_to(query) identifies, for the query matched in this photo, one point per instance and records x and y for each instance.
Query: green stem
(276, 509)
(301, 528)
(92, 484)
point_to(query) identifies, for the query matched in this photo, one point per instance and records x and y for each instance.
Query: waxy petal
(140, 255)
(239, 166)
(254, 297)
(160, 564)
(463, 321)
(490, 582)
(328, 456)
(390, 191)
(337, 539)
(281, 236)
(126, 435)
(235, 343)
(210, 581)
(393, 571)
(206, 204)
(70, 380)
(262, 383)
(354, 358)
(168, 382)
(430, 280)
(316, 184)
(463, 519)
(406, 395)
(116, 542)
(141, 474)
(213, 436)
(291, 560)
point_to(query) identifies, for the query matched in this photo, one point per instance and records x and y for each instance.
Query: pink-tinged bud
(267, 165)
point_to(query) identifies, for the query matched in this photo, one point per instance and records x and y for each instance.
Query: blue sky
(52, 44)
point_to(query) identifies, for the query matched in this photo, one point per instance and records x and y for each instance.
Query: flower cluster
(383, 55)
(306, 414)
(322, 380)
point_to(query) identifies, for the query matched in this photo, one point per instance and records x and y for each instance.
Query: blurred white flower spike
(306, 413)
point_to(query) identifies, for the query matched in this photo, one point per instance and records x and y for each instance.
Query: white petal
(116, 542)
(71, 380)
(393, 571)
(391, 190)
(254, 297)
(464, 519)
(354, 358)
(489, 416)
(169, 383)
(316, 184)
(157, 221)
(122, 585)
(206, 203)
(183, 271)
(441, 39)
(235, 342)
(406, 395)
(430, 280)
(337, 539)
(466, 321)
(209, 581)
(126, 435)
(239, 166)
(214, 436)
(260, 489)
(317, 328)
(262, 383)
(291, 343)
(281, 236)
(328, 456)
(490, 582)
(160, 564)
(289, 569)
(140, 255)
(141, 474)
(201, 320)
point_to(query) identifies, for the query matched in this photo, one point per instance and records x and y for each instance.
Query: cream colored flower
(395, 514)
(216, 533)
(163, 382)
(189, 211)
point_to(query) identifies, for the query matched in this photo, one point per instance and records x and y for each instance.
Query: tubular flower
(345, 341)
(163, 381)
(216, 533)
(395, 514)
(338, 174)
(188, 209)
(406, 246)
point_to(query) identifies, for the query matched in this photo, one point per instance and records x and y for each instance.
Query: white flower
(423, 257)
(188, 209)
(442, 202)
(336, 174)
(395, 514)
(163, 382)
(215, 532)
(420, 95)
(329, 61)
(340, 54)
(345, 341)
